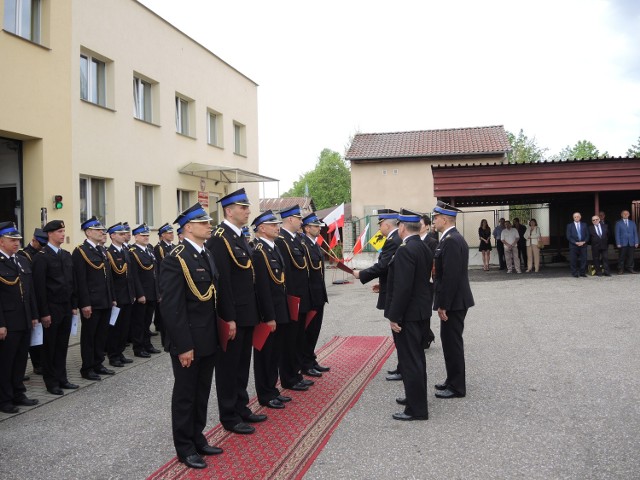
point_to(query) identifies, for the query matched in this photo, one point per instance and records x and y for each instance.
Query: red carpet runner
(285, 446)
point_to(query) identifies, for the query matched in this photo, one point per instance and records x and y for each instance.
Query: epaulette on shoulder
(258, 246)
(219, 232)
(280, 236)
(177, 250)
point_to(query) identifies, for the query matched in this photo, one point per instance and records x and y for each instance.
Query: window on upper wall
(93, 80)
(239, 139)
(214, 128)
(93, 199)
(144, 204)
(183, 113)
(23, 17)
(142, 100)
(184, 200)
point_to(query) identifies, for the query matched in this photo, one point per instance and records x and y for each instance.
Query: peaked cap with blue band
(126, 226)
(179, 230)
(195, 213)
(291, 212)
(92, 224)
(408, 216)
(442, 208)
(142, 229)
(9, 230)
(265, 217)
(40, 236)
(118, 227)
(239, 197)
(164, 229)
(387, 214)
(312, 219)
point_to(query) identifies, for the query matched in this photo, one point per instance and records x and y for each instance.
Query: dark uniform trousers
(118, 333)
(310, 341)
(142, 316)
(236, 302)
(54, 286)
(453, 349)
(290, 365)
(93, 339)
(409, 343)
(265, 366)
(17, 309)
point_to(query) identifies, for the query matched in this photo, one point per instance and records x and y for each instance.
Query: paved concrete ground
(553, 392)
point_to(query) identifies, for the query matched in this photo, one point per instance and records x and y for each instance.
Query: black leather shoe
(300, 387)
(142, 354)
(394, 377)
(103, 370)
(241, 428)
(91, 376)
(307, 382)
(583, 274)
(153, 334)
(448, 394)
(393, 372)
(55, 391)
(312, 372)
(441, 386)
(255, 418)
(607, 274)
(153, 350)
(194, 461)
(69, 386)
(116, 363)
(320, 368)
(26, 378)
(401, 401)
(209, 450)
(9, 408)
(283, 398)
(404, 416)
(26, 402)
(274, 403)
(126, 360)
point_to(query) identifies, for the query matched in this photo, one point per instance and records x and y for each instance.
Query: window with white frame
(144, 204)
(182, 115)
(23, 17)
(239, 139)
(184, 200)
(93, 80)
(142, 101)
(93, 198)
(214, 128)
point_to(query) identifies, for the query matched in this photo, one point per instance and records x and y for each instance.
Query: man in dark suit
(578, 236)
(430, 237)
(522, 242)
(452, 298)
(146, 271)
(626, 241)
(408, 308)
(55, 287)
(95, 298)
(311, 225)
(38, 242)
(599, 234)
(127, 289)
(296, 271)
(237, 305)
(388, 225)
(272, 300)
(18, 314)
(162, 248)
(188, 282)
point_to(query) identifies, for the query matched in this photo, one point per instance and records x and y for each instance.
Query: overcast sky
(561, 70)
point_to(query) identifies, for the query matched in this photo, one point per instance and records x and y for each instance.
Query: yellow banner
(377, 241)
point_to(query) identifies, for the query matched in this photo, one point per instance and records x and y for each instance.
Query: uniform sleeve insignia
(219, 232)
(177, 250)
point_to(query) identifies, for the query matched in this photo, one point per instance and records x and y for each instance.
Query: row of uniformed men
(216, 288)
(52, 283)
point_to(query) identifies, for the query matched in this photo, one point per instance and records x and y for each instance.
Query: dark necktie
(280, 259)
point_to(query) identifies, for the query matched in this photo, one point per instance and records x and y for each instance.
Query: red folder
(344, 268)
(294, 307)
(223, 333)
(260, 334)
(307, 320)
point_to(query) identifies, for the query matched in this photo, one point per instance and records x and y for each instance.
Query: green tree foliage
(329, 183)
(582, 149)
(634, 151)
(524, 149)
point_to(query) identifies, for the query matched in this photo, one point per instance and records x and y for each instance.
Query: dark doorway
(8, 198)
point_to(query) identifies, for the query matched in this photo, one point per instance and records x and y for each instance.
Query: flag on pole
(334, 239)
(359, 245)
(335, 219)
(378, 240)
(319, 240)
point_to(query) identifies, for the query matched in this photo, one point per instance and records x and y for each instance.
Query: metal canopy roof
(224, 174)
